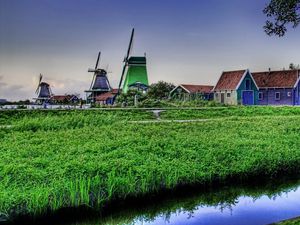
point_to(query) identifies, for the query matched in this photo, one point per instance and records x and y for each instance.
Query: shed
(236, 87)
(192, 92)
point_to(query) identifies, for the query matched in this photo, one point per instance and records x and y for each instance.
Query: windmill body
(136, 75)
(100, 83)
(43, 91)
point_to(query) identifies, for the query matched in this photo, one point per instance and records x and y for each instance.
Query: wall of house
(297, 95)
(243, 87)
(231, 100)
(269, 96)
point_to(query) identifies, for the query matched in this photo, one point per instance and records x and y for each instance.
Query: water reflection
(262, 203)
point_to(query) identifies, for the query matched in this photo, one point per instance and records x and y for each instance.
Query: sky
(186, 41)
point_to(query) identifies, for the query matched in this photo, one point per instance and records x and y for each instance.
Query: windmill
(43, 91)
(99, 84)
(136, 71)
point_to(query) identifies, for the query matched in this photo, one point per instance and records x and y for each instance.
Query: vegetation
(295, 221)
(55, 159)
(160, 90)
(282, 14)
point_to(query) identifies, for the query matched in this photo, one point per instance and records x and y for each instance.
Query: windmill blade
(123, 72)
(98, 59)
(126, 59)
(130, 45)
(40, 79)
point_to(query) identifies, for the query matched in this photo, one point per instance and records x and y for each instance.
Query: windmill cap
(137, 60)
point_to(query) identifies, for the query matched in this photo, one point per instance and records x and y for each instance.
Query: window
(228, 95)
(260, 96)
(289, 94)
(217, 95)
(248, 84)
(277, 95)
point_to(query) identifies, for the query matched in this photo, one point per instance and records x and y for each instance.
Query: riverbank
(295, 221)
(52, 160)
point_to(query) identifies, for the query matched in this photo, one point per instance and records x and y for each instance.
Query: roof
(278, 79)
(60, 97)
(105, 96)
(63, 97)
(137, 60)
(115, 90)
(197, 88)
(229, 80)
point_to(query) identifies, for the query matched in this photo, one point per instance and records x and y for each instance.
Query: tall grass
(49, 161)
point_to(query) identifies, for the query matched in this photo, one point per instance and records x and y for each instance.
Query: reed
(55, 160)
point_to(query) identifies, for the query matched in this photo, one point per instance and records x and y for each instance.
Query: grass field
(54, 159)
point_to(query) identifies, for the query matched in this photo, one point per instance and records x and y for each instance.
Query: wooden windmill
(99, 84)
(43, 91)
(136, 71)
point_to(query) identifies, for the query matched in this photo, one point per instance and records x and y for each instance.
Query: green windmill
(136, 71)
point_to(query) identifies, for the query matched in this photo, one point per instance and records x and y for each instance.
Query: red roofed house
(64, 99)
(236, 87)
(107, 98)
(278, 87)
(192, 92)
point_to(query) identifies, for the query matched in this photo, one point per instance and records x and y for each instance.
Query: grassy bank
(55, 159)
(295, 221)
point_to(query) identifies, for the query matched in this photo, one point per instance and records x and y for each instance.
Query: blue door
(248, 98)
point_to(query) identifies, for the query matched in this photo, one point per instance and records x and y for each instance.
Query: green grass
(295, 221)
(54, 159)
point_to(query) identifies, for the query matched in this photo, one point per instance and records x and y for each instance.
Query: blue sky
(186, 41)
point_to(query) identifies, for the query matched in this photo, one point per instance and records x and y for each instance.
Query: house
(107, 98)
(64, 99)
(278, 87)
(3, 101)
(236, 87)
(192, 92)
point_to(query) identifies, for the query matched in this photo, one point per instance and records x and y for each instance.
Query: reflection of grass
(189, 200)
(56, 159)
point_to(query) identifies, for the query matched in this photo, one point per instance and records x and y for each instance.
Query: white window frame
(277, 99)
(228, 95)
(289, 94)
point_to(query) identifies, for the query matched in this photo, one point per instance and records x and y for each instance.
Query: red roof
(229, 80)
(60, 97)
(105, 96)
(279, 79)
(115, 90)
(197, 88)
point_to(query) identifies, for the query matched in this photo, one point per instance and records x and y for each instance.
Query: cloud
(12, 92)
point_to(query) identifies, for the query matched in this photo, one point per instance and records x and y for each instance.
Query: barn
(278, 87)
(235, 88)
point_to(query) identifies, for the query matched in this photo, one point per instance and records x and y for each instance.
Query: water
(236, 204)
(246, 211)
(232, 205)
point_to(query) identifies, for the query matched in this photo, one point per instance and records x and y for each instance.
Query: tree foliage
(160, 90)
(293, 66)
(281, 13)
